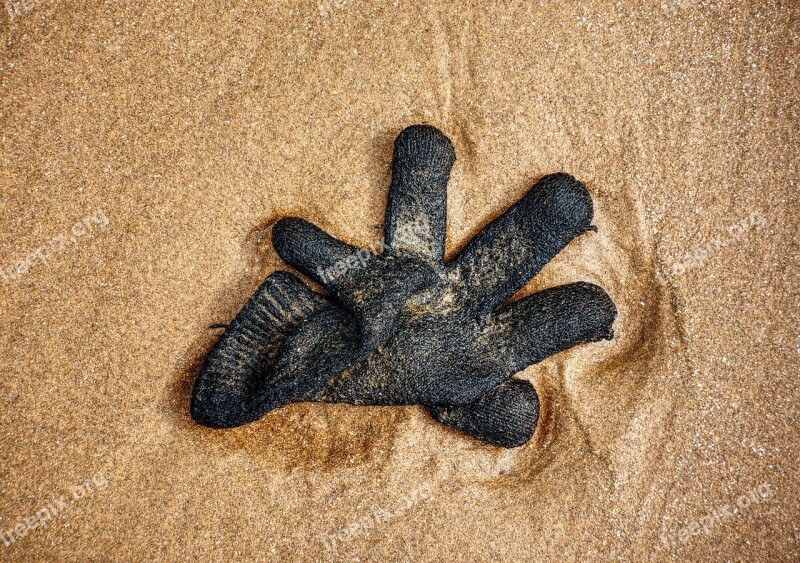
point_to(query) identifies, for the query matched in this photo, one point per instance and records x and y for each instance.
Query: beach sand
(146, 149)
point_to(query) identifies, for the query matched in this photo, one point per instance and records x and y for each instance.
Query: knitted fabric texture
(404, 327)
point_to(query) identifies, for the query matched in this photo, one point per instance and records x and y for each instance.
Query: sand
(146, 149)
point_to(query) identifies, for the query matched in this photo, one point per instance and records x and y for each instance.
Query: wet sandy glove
(404, 328)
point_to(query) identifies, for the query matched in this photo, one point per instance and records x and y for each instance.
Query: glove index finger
(551, 321)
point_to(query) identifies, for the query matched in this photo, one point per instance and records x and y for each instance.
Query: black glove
(401, 327)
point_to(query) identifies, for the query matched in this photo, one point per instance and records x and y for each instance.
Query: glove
(402, 327)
